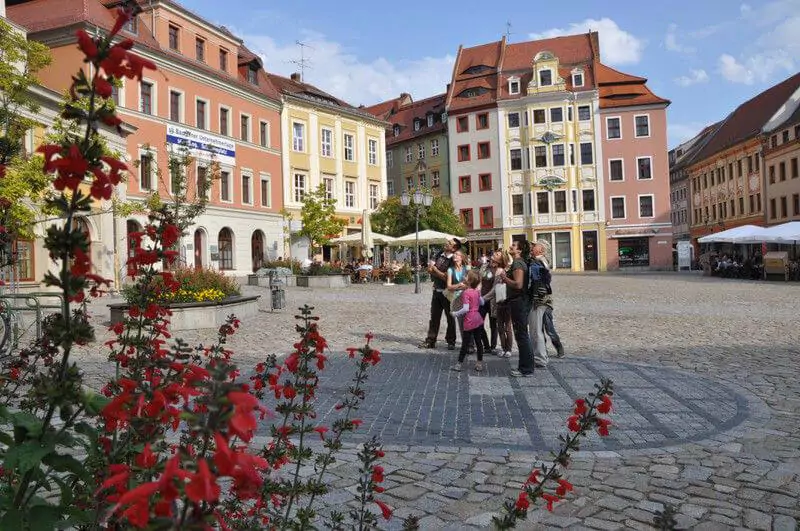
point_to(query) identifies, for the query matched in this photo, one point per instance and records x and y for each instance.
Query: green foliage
(294, 265)
(393, 219)
(317, 269)
(195, 285)
(27, 188)
(318, 214)
(404, 275)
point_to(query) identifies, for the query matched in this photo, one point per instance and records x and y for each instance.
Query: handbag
(500, 293)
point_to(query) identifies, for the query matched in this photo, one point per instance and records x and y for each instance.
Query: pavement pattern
(706, 413)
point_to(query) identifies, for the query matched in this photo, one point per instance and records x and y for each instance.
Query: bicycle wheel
(5, 335)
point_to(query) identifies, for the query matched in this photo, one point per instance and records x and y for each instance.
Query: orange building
(210, 94)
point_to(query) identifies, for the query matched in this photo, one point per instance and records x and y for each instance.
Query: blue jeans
(519, 308)
(550, 328)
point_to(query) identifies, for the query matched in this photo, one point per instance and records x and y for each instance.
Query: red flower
(243, 422)
(118, 328)
(534, 477)
(550, 499)
(203, 485)
(223, 456)
(289, 392)
(322, 430)
(605, 405)
(169, 235)
(385, 509)
(321, 359)
(580, 406)
(357, 422)
(377, 474)
(574, 423)
(523, 503)
(564, 486)
(87, 45)
(351, 351)
(146, 459)
(102, 87)
(602, 426)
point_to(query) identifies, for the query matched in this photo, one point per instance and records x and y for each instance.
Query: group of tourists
(512, 288)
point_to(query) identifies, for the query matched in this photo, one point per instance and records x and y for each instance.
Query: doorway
(257, 249)
(590, 250)
(199, 248)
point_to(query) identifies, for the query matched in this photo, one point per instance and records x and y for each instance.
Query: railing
(12, 308)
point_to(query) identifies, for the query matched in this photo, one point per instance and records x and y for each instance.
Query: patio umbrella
(355, 239)
(367, 242)
(426, 236)
(743, 234)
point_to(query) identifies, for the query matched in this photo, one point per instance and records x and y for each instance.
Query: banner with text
(203, 145)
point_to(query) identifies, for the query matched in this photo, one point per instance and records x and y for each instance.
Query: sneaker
(540, 365)
(457, 367)
(507, 354)
(560, 351)
(426, 344)
(451, 346)
(479, 366)
(516, 374)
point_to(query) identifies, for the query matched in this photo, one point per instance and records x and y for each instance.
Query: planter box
(263, 280)
(323, 281)
(199, 315)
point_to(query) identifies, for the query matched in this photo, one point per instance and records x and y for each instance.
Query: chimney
(3, 8)
(296, 77)
(594, 37)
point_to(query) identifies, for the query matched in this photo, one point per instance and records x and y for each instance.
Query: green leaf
(44, 517)
(26, 456)
(94, 403)
(31, 424)
(64, 463)
(11, 520)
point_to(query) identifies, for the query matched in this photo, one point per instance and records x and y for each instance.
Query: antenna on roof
(303, 63)
(508, 31)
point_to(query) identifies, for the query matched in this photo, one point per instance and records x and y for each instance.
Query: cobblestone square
(706, 412)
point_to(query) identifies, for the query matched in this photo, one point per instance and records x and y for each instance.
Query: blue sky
(707, 56)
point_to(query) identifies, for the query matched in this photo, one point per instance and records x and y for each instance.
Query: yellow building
(327, 141)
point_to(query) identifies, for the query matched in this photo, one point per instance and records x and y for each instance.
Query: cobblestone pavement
(707, 414)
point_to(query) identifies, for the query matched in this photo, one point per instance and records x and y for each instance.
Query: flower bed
(199, 315)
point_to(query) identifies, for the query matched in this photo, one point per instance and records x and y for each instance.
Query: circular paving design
(414, 399)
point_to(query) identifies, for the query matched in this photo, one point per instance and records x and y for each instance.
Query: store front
(560, 248)
(634, 252)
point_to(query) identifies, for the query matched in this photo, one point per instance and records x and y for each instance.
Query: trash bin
(277, 291)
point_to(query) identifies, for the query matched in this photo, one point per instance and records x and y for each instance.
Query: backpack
(538, 275)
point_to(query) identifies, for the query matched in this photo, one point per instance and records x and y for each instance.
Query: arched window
(225, 244)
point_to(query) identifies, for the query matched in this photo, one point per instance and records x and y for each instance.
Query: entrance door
(590, 250)
(257, 249)
(198, 249)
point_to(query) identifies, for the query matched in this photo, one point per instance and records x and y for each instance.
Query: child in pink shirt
(473, 320)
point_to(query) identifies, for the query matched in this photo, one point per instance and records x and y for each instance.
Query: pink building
(636, 164)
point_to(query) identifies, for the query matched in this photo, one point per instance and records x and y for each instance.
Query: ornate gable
(545, 77)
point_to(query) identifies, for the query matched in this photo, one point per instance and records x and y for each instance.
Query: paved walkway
(707, 413)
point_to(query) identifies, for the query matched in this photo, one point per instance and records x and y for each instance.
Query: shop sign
(202, 144)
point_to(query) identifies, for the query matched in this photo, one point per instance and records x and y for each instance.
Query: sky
(706, 56)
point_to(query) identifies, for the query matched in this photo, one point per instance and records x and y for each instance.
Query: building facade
(781, 152)
(330, 143)
(417, 153)
(727, 176)
(210, 95)
(637, 195)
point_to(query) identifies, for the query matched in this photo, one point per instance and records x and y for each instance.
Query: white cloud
(759, 67)
(680, 133)
(343, 74)
(617, 46)
(694, 77)
(745, 9)
(671, 41)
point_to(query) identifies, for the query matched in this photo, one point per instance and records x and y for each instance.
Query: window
(739, 166)
(569, 113)
(202, 181)
(175, 105)
(200, 114)
(174, 38)
(416, 125)
(462, 124)
(390, 159)
(328, 183)
(545, 78)
(245, 127)
(435, 179)
(513, 87)
(200, 49)
(785, 137)
(516, 159)
(246, 181)
(482, 121)
(435, 147)
(326, 142)
(773, 210)
(466, 217)
(350, 194)
(373, 196)
(409, 183)
(540, 156)
(225, 185)
(613, 128)
(224, 121)
(298, 136)
(796, 204)
(225, 245)
(642, 126)
(484, 151)
(560, 201)
(263, 132)
(513, 120)
(772, 175)
(146, 97)
(409, 154)
(773, 142)
(517, 205)
(463, 153)
(588, 201)
(266, 200)
(571, 154)
(783, 206)
(584, 113)
(782, 170)
(741, 206)
(349, 147)
(430, 120)
(485, 182)
(133, 25)
(617, 208)
(793, 167)
(539, 116)
(644, 169)
(421, 150)
(464, 184)
(577, 79)
(24, 261)
(749, 164)
(396, 130)
(558, 154)
(645, 206)
(252, 75)
(487, 217)
(146, 172)
(556, 115)
(115, 95)
(299, 187)
(223, 59)
(390, 187)
(543, 202)
(422, 179)
(587, 155)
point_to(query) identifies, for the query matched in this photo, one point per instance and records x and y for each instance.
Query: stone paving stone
(783, 523)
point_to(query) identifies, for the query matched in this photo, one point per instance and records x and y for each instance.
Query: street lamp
(419, 200)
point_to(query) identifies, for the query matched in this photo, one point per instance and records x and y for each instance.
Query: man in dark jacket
(439, 303)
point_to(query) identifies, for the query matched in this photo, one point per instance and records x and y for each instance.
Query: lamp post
(420, 200)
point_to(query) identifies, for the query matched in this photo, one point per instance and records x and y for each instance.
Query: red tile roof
(618, 89)
(306, 91)
(385, 109)
(746, 121)
(405, 115)
(488, 56)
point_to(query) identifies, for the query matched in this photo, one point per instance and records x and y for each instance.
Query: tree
(393, 219)
(320, 224)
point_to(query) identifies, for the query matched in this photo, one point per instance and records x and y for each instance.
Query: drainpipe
(153, 20)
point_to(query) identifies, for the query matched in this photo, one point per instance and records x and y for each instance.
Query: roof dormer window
(396, 130)
(577, 78)
(444, 117)
(416, 125)
(132, 26)
(252, 75)
(430, 120)
(545, 77)
(513, 85)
